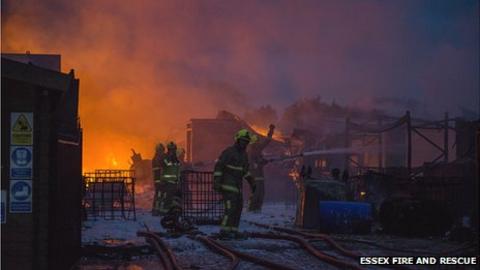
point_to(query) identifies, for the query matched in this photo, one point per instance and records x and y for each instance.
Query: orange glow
(294, 175)
(138, 68)
(277, 135)
(127, 99)
(114, 162)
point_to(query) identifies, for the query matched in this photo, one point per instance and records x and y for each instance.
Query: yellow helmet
(243, 134)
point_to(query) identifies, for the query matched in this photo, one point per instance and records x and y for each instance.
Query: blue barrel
(345, 217)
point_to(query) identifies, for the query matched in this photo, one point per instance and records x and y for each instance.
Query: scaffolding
(443, 179)
(372, 132)
(109, 194)
(201, 204)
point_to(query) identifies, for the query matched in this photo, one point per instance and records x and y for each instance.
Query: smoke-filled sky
(147, 66)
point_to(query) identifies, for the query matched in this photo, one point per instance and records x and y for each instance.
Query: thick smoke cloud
(148, 66)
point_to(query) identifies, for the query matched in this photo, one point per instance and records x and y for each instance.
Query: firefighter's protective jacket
(157, 167)
(170, 171)
(230, 169)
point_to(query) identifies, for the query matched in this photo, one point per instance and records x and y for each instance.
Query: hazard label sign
(21, 128)
(20, 196)
(21, 162)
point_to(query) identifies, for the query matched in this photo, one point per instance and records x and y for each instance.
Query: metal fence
(109, 194)
(201, 203)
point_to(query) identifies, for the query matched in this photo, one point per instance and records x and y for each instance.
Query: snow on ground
(278, 214)
(194, 255)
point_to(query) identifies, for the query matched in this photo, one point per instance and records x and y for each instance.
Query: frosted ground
(194, 255)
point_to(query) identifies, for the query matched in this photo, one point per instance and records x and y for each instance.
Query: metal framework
(416, 126)
(201, 204)
(109, 194)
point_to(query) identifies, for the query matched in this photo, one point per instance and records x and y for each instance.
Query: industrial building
(41, 164)
(206, 139)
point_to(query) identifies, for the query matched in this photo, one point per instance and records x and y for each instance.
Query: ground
(194, 255)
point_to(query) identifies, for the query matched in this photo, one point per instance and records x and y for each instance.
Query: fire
(294, 175)
(114, 162)
(260, 130)
(277, 135)
(131, 89)
(136, 87)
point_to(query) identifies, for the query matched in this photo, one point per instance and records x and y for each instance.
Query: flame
(127, 98)
(110, 162)
(114, 162)
(277, 135)
(294, 175)
(136, 87)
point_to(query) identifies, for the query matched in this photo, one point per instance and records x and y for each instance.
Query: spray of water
(333, 151)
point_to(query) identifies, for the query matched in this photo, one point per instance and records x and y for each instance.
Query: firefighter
(257, 162)
(157, 172)
(230, 169)
(170, 180)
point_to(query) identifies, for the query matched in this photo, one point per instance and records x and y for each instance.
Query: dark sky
(195, 57)
(278, 51)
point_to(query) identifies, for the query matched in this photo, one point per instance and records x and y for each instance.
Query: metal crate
(109, 194)
(201, 203)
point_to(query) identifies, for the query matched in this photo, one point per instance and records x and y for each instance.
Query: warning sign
(21, 124)
(21, 162)
(20, 196)
(21, 128)
(3, 213)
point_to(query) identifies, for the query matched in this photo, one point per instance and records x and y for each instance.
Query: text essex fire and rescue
(419, 260)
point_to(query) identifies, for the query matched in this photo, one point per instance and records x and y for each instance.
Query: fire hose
(323, 237)
(165, 254)
(324, 257)
(225, 250)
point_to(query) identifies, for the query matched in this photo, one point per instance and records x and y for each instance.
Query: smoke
(147, 66)
(140, 77)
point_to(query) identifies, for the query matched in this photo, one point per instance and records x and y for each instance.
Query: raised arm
(264, 143)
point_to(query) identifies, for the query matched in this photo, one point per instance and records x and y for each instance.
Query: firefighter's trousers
(166, 197)
(233, 204)
(156, 197)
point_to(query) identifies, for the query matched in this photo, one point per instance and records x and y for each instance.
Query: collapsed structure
(381, 159)
(400, 164)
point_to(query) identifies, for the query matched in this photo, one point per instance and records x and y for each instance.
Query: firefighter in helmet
(157, 172)
(170, 180)
(257, 162)
(230, 169)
